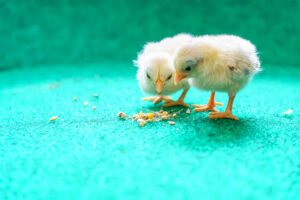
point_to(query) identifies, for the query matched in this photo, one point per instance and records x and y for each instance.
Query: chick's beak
(159, 84)
(179, 77)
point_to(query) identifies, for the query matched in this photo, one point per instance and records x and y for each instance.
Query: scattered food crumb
(75, 98)
(95, 95)
(121, 115)
(289, 111)
(141, 121)
(85, 103)
(174, 115)
(94, 107)
(53, 118)
(150, 115)
(164, 124)
(164, 117)
(142, 124)
(172, 123)
(188, 111)
(165, 113)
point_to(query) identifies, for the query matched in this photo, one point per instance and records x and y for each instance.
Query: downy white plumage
(156, 70)
(222, 63)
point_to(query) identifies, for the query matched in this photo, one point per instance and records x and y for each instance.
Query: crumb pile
(152, 116)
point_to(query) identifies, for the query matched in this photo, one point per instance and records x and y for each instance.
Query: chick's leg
(209, 106)
(179, 102)
(155, 100)
(227, 113)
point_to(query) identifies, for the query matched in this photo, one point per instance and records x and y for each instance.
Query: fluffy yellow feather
(224, 63)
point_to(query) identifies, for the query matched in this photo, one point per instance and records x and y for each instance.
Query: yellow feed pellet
(85, 103)
(289, 111)
(150, 116)
(75, 98)
(53, 118)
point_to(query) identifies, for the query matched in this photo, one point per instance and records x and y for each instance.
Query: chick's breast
(171, 88)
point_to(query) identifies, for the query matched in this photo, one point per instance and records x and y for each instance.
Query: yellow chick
(156, 70)
(223, 63)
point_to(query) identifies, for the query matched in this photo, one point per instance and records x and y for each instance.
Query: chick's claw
(218, 104)
(201, 108)
(169, 103)
(155, 100)
(205, 108)
(219, 115)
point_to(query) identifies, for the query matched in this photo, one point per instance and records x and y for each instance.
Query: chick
(156, 70)
(223, 63)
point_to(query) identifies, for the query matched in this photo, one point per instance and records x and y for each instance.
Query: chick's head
(187, 61)
(156, 73)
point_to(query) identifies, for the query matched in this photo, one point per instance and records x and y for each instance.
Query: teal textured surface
(88, 154)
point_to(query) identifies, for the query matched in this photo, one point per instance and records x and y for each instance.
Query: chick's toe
(220, 115)
(155, 100)
(169, 103)
(205, 108)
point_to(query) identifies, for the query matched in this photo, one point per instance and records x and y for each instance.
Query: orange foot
(219, 115)
(170, 102)
(155, 100)
(210, 106)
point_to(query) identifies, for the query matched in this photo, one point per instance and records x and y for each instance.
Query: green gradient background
(52, 51)
(76, 31)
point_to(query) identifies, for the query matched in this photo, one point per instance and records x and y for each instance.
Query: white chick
(156, 70)
(223, 63)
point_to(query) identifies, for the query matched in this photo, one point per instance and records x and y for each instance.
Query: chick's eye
(189, 65)
(188, 68)
(169, 77)
(148, 76)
